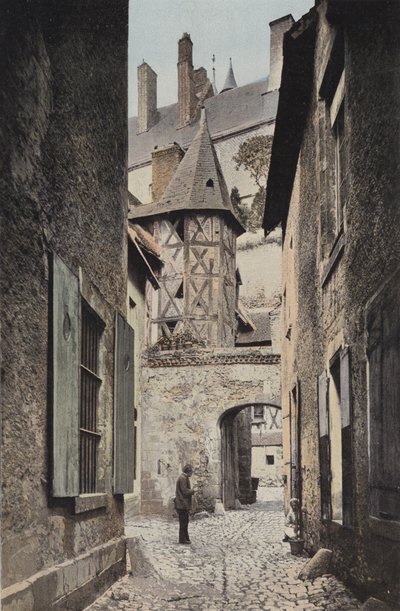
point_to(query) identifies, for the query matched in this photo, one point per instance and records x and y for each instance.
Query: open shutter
(324, 455)
(66, 351)
(123, 407)
(345, 408)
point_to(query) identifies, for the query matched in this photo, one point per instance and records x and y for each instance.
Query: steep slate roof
(259, 335)
(230, 81)
(229, 112)
(188, 189)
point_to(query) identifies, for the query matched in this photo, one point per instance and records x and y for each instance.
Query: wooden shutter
(123, 407)
(66, 350)
(347, 461)
(324, 454)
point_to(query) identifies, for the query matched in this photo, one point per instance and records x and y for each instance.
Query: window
(337, 114)
(258, 412)
(210, 182)
(75, 372)
(92, 328)
(333, 144)
(383, 349)
(335, 446)
(270, 459)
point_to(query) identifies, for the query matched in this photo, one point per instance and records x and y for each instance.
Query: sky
(226, 28)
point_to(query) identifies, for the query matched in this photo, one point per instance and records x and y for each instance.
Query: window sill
(388, 529)
(89, 502)
(334, 257)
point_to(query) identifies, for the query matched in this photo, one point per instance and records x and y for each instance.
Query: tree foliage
(253, 156)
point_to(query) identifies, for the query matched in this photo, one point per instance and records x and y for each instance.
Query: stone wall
(63, 141)
(327, 293)
(186, 394)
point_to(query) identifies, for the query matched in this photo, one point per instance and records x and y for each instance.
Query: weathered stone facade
(186, 395)
(63, 181)
(341, 253)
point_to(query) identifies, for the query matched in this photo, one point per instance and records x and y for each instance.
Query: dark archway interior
(236, 454)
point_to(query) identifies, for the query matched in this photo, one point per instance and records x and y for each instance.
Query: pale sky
(227, 28)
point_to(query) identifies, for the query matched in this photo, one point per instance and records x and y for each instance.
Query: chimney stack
(186, 84)
(147, 98)
(278, 29)
(164, 163)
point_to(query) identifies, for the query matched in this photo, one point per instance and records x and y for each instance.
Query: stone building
(194, 380)
(66, 349)
(234, 115)
(334, 187)
(158, 141)
(144, 264)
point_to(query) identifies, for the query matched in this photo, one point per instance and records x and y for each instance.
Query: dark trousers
(183, 515)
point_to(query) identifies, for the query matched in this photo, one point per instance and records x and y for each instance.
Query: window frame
(337, 113)
(336, 429)
(92, 328)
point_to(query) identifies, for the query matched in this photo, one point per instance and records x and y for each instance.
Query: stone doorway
(241, 429)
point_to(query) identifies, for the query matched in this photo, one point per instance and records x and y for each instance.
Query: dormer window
(210, 182)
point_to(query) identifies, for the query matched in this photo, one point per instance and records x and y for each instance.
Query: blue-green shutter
(124, 407)
(65, 380)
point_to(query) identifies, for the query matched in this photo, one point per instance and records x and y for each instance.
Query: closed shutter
(66, 347)
(375, 401)
(384, 393)
(324, 454)
(347, 461)
(123, 407)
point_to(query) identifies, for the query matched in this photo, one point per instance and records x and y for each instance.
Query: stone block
(318, 565)
(149, 507)
(70, 574)
(44, 588)
(374, 604)
(219, 508)
(140, 563)
(18, 597)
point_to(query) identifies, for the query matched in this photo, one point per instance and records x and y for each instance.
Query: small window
(258, 412)
(210, 182)
(270, 459)
(92, 328)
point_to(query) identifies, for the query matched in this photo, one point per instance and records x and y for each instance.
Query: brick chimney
(186, 84)
(164, 162)
(147, 98)
(278, 29)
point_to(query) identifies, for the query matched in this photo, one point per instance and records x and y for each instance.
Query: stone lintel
(184, 358)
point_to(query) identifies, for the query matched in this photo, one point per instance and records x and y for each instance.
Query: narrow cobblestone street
(236, 561)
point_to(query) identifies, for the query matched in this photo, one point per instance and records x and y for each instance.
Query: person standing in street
(183, 502)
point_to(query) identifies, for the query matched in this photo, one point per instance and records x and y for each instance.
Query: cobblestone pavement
(236, 561)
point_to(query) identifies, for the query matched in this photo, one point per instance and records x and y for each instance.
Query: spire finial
(213, 82)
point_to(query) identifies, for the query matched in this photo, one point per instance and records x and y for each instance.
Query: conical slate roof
(230, 81)
(198, 183)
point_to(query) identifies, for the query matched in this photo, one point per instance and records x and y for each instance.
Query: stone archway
(236, 425)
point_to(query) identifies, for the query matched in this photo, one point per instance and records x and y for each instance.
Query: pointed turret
(198, 183)
(197, 229)
(230, 81)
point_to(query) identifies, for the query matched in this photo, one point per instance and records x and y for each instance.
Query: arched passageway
(250, 433)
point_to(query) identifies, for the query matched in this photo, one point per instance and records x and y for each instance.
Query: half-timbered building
(195, 382)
